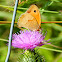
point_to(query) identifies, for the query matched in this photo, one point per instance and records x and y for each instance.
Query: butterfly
(31, 19)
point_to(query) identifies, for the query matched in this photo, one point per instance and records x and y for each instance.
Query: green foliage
(51, 10)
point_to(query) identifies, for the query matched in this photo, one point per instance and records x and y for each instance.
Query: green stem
(27, 8)
(50, 49)
(48, 11)
(3, 40)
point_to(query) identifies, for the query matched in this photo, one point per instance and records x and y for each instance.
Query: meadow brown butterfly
(31, 19)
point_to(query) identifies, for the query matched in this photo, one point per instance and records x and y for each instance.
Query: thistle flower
(27, 39)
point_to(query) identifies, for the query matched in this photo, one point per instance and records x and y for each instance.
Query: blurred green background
(51, 10)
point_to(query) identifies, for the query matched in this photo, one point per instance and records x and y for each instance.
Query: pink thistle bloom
(27, 39)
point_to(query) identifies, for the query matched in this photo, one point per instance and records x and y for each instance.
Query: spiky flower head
(27, 39)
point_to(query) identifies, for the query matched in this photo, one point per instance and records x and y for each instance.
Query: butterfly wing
(28, 21)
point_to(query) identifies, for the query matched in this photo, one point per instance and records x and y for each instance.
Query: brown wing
(28, 21)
